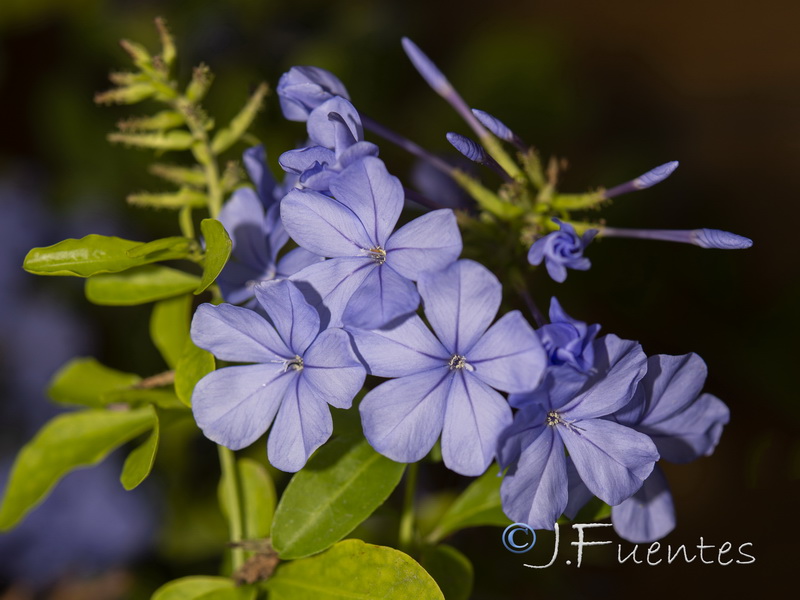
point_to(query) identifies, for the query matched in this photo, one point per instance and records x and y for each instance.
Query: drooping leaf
(478, 505)
(169, 327)
(342, 484)
(352, 569)
(451, 570)
(218, 249)
(204, 588)
(168, 248)
(139, 285)
(90, 255)
(140, 461)
(84, 381)
(66, 442)
(194, 364)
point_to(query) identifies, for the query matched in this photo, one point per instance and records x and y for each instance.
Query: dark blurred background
(614, 87)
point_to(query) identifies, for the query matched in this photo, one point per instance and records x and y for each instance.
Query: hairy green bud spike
(201, 81)
(167, 44)
(141, 57)
(125, 95)
(577, 201)
(166, 119)
(231, 177)
(123, 78)
(174, 140)
(228, 136)
(179, 175)
(184, 198)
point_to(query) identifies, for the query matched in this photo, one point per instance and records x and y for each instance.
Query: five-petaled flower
(561, 250)
(445, 385)
(299, 371)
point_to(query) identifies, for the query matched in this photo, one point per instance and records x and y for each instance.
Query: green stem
(230, 493)
(406, 535)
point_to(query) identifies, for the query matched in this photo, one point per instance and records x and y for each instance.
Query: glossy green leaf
(342, 484)
(258, 498)
(162, 397)
(84, 381)
(218, 249)
(204, 588)
(90, 255)
(194, 364)
(352, 569)
(478, 505)
(139, 285)
(169, 327)
(451, 570)
(140, 461)
(169, 248)
(66, 442)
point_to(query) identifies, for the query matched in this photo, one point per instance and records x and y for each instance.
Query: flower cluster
(584, 415)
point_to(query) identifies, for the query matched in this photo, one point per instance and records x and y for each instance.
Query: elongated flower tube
(705, 238)
(649, 179)
(500, 129)
(298, 371)
(475, 152)
(445, 383)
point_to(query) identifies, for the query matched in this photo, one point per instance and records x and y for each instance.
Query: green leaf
(163, 397)
(84, 381)
(140, 461)
(194, 364)
(169, 248)
(258, 498)
(85, 257)
(139, 285)
(352, 569)
(451, 570)
(478, 505)
(342, 484)
(66, 442)
(218, 249)
(169, 327)
(205, 588)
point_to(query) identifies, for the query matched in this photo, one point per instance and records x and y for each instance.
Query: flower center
(459, 362)
(377, 254)
(553, 419)
(295, 363)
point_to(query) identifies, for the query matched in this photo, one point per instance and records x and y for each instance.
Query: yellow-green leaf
(85, 381)
(139, 285)
(140, 461)
(169, 327)
(218, 249)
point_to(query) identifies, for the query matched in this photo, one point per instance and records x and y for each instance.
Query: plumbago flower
(337, 138)
(252, 219)
(561, 250)
(567, 340)
(298, 371)
(684, 425)
(445, 385)
(566, 411)
(302, 89)
(367, 281)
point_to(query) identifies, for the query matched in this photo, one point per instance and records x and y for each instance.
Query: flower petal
(375, 196)
(255, 162)
(579, 494)
(476, 415)
(243, 219)
(612, 460)
(322, 225)
(619, 366)
(428, 243)
(303, 424)
(402, 418)
(332, 371)
(338, 133)
(328, 285)
(534, 491)
(296, 260)
(237, 334)
(670, 385)
(295, 320)
(301, 160)
(509, 356)
(691, 433)
(460, 302)
(403, 350)
(649, 514)
(528, 424)
(382, 297)
(234, 406)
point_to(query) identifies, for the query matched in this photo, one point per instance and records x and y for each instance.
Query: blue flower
(337, 141)
(298, 372)
(302, 89)
(445, 385)
(567, 340)
(566, 411)
(252, 219)
(561, 250)
(368, 280)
